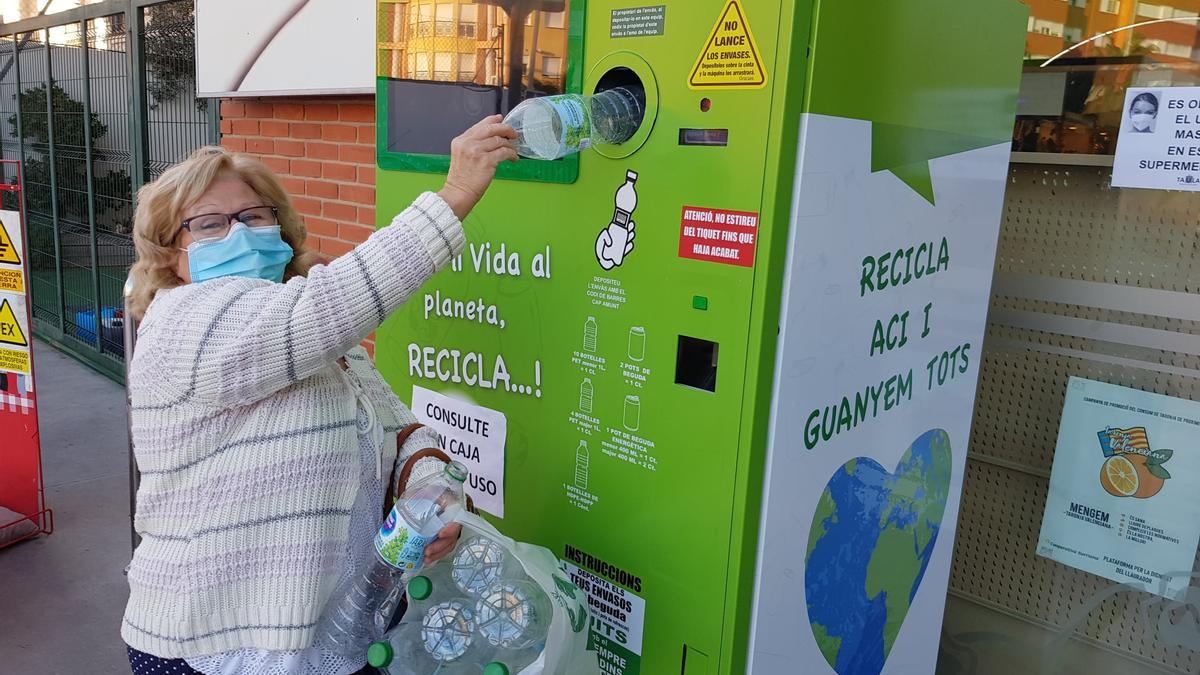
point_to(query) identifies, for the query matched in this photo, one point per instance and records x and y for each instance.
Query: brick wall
(323, 149)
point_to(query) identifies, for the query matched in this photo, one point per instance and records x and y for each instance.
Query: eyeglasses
(216, 225)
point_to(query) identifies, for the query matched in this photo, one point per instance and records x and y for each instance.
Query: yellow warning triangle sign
(8, 248)
(10, 330)
(730, 59)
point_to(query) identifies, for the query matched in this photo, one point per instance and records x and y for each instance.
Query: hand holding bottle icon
(615, 242)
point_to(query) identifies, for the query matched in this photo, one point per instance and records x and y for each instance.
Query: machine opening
(627, 80)
(696, 363)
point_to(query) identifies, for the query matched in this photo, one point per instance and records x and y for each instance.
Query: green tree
(170, 48)
(112, 189)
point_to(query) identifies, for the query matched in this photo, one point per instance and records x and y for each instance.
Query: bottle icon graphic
(589, 335)
(633, 412)
(616, 241)
(585, 395)
(582, 459)
(637, 344)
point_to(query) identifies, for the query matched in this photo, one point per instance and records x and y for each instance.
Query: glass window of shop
(471, 59)
(1096, 285)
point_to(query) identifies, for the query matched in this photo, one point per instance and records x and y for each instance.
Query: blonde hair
(160, 207)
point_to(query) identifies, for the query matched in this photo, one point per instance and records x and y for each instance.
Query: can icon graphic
(637, 343)
(633, 412)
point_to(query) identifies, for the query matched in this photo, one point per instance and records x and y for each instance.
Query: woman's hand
(474, 157)
(446, 540)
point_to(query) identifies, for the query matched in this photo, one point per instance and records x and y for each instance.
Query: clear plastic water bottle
(350, 622)
(514, 614)
(552, 127)
(402, 652)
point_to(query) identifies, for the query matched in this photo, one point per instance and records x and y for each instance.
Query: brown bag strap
(397, 486)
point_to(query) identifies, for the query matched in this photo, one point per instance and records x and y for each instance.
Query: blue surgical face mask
(254, 252)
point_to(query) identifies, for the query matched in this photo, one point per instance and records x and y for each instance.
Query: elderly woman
(263, 433)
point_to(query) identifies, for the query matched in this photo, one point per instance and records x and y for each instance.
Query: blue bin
(85, 323)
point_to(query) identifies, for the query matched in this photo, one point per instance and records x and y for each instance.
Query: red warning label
(718, 235)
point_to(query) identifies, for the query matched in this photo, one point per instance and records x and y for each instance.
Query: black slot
(704, 137)
(696, 363)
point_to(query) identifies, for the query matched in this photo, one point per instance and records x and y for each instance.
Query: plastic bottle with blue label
(350, 621)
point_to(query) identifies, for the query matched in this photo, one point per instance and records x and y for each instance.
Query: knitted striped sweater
(243, 428)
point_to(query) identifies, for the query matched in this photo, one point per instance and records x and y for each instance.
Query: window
(1176, 49)
(1110, 6)
(1168, 48)
(445, 20)
(1077, 3)
(466, 67)
(1045, 27)
(1154, 11)
(424, 21)
(443, 64)
(1150, 11)
(467, 18)
(1073, 34)
(459, 60)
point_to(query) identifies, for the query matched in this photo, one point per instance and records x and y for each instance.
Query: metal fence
(95, 102)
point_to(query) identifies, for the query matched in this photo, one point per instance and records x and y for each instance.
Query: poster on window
(1158, 146)
(1124, 500)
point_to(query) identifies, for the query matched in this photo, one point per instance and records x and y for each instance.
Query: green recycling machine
(724, 370)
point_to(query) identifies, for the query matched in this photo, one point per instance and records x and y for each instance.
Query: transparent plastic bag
(491, 601)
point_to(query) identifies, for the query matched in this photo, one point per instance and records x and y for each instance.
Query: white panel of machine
(883, 317)
(284, 47)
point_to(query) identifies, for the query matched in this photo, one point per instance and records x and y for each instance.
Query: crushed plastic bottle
(552, 127)
(352, 618)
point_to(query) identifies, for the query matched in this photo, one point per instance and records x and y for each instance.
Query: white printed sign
(472, 435)
(618, 620)
(873, 403)
(1122, 501)
(1158, 146)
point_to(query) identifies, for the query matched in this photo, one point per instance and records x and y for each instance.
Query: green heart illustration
(872, 537)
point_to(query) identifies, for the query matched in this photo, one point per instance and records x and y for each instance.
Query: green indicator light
(700, 302)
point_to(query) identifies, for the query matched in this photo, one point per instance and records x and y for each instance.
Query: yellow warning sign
(11, 281)
(730, 59)
(14, 361)
(8, 248)
(10, 330)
